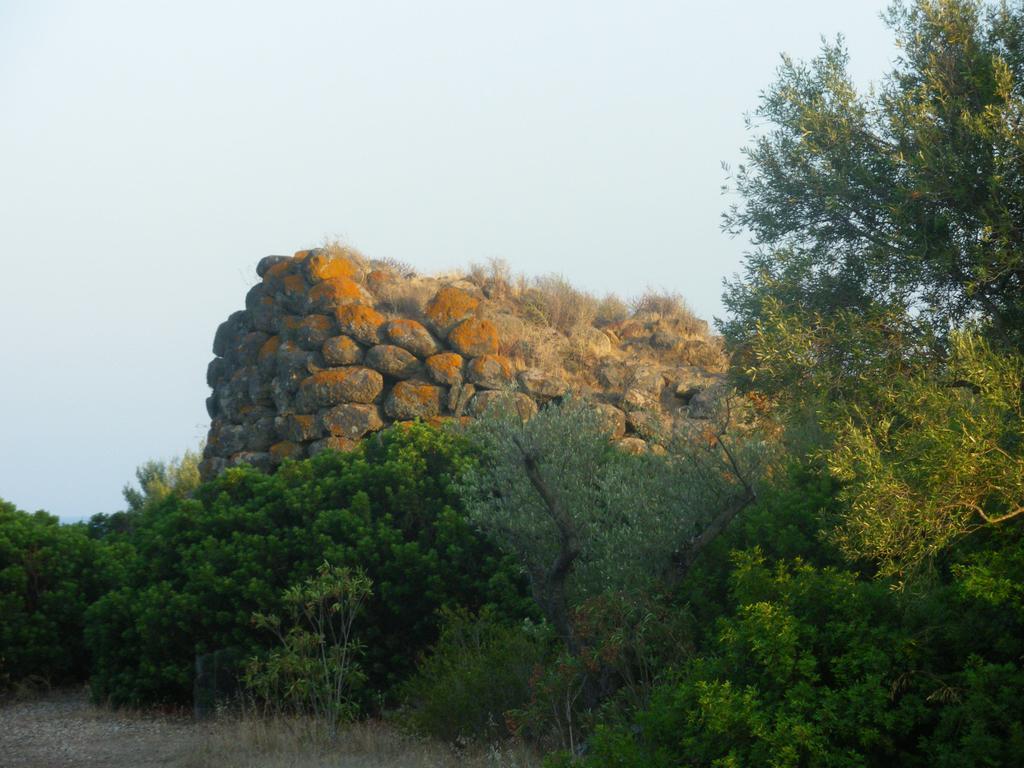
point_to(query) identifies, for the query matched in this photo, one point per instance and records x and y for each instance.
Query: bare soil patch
(63, 729)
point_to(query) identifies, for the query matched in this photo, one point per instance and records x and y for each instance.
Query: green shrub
(479, 669)
(315, 669)
(801, 674)
(199, 567)
(48, 575)
(804, 660)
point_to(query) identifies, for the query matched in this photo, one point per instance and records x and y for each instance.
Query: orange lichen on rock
(294, 284)
(286, 450)
(360, 322)
(269, 349)
(448, 307)
(354, 384)
(412, 336)
(474, 337)
(445, 368)
(314, 330)
(276, 272)
(378, 278)
(297, 428)
(414, 400)
(324, 265)
(333, 292)
(341, 350)
(490, 371)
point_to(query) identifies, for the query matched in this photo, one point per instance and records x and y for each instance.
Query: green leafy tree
(585, 519)
(159, 479)
(940, 455)
(889, 259)
(907, 198)
(49, 573)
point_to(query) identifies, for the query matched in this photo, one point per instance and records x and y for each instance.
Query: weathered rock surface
(474, 337)
(414, 400)
(393, 361)
(490, 372)
(341, 350)
(352, 420)
(412, 336)
(487, 400)
(331, 348)
(354, 384)
(360, 322)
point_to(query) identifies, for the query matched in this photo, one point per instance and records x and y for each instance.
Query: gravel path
(63, 730)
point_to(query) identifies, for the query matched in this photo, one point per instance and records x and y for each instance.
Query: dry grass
(298, 744)
(554, 301)
(610, 310)
(671, 307)
(496, 280)
(405, 297)
(63, 729)
(397, 267)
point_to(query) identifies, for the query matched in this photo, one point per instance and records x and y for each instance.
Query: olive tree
(584, 517)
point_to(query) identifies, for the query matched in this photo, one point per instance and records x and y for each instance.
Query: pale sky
(152, 152)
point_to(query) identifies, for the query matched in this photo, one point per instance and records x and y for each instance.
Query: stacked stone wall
(319, 358)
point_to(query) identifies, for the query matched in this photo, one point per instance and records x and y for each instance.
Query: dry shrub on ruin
(671, 307)
(555, 302)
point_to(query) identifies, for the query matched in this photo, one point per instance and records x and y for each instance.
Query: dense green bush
(49, 573)
(200, 566)
(479, 670)
(805, 660)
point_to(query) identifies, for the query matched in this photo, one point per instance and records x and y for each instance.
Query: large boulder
(237, 325)
(414, 400)
(393, 361)
(474, 337)
(542, 384)
(226, 439)
(643, 388)
(320, 265)
(502, 401)
(266, 358)
(490, 372)
(336, 292)
(445, 368)
(267, 262)
(412, 336)
(341, 350)
(355, 384)
(448, 308)
(298, 428)
(613, 420)
(352, 420)
(217, 371)
(260, 460)
(313, 331)
(361, 322)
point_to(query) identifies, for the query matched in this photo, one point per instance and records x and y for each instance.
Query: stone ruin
(331, 347)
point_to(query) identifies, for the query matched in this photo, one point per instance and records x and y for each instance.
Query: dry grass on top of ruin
(547, 322)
